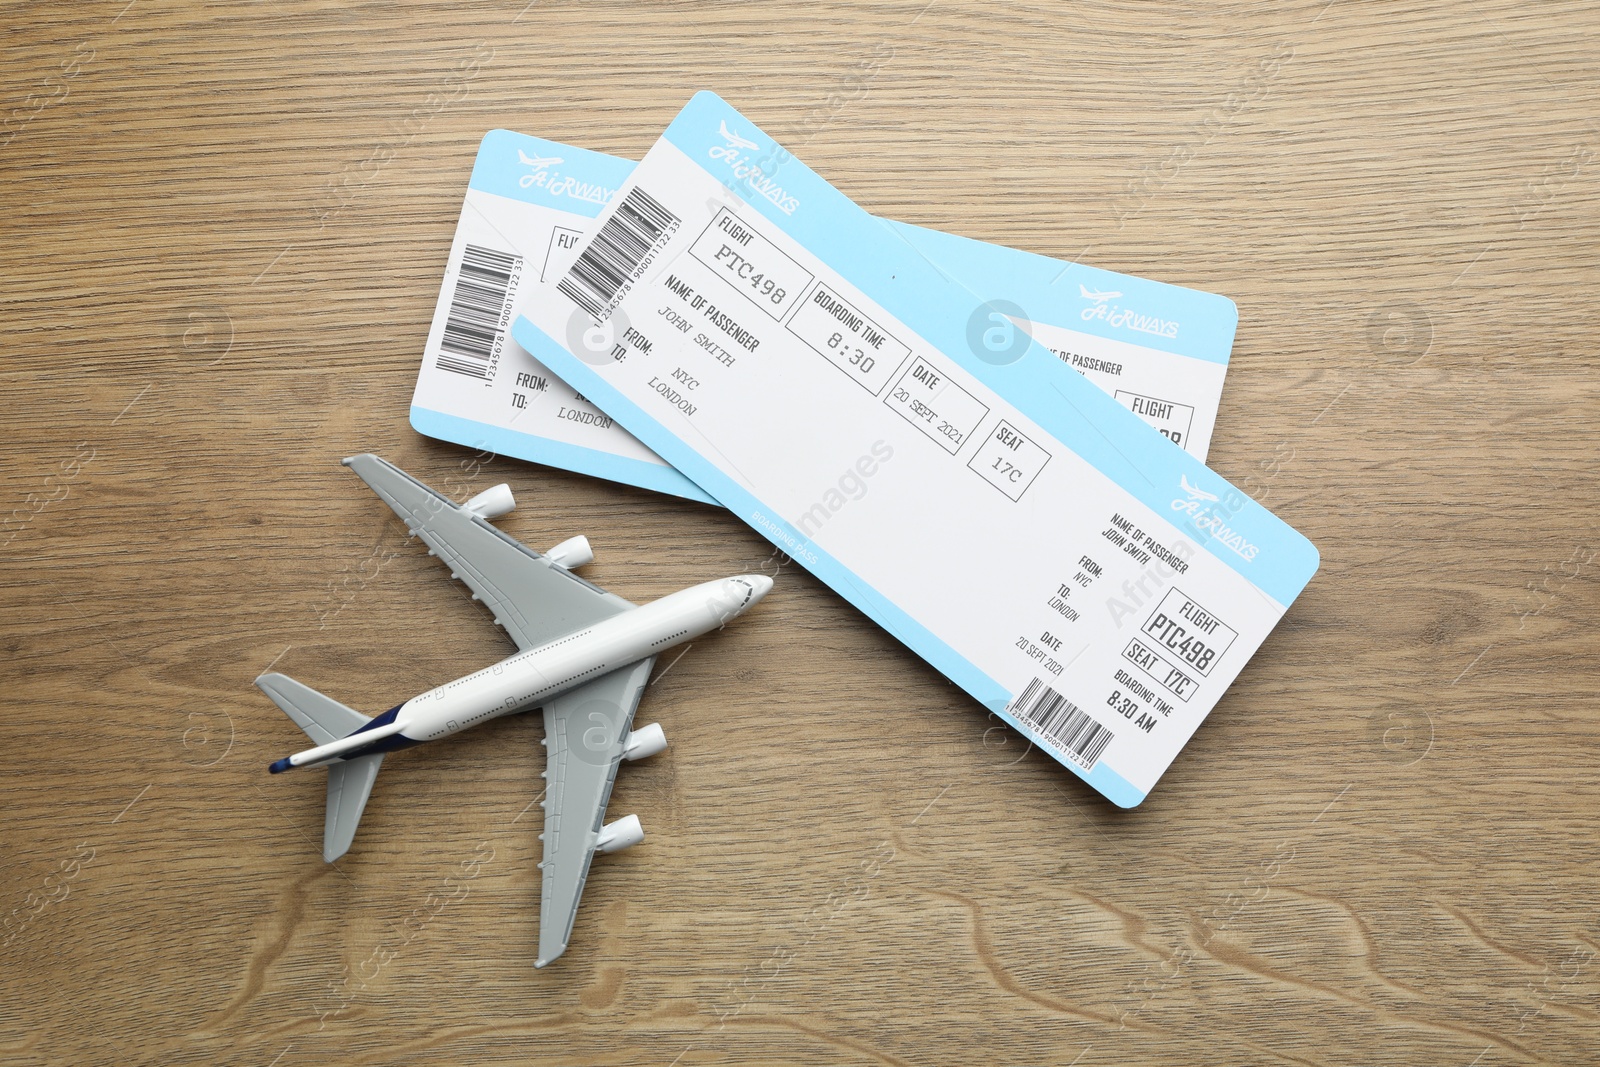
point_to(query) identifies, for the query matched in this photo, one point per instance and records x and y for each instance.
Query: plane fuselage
(530, 677)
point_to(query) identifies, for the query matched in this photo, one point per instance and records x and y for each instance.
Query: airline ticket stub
(1161, 350)
(1017, 527)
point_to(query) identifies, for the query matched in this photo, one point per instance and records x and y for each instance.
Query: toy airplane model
(585, 655)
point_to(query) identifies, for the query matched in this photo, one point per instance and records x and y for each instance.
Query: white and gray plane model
(584, 656)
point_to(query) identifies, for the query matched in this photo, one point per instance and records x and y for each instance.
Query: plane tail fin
(349, 782)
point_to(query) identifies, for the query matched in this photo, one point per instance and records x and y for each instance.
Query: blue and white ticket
(1017, 527)
(1161, 350)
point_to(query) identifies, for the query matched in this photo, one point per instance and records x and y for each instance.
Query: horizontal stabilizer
(349, 782)
(349, 786)
(322, 718)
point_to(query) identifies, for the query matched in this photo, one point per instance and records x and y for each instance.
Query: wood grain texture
(225, 226)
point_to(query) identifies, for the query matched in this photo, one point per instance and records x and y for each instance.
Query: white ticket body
(1160, 349)
(1017, 527)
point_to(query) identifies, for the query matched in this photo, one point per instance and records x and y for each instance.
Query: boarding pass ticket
(1017, 527)
(1160, 349)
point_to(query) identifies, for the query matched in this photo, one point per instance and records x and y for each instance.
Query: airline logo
(733, 151)
(733, 139)
(1194, 493)
(1101, 306)
(1209, 519)
(541, 176)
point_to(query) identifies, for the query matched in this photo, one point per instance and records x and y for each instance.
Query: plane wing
(535, 600)
(585, 731)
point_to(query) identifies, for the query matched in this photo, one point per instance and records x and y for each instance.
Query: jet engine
(624, 833)
(644, 742)
(572, 553)
(493, 502)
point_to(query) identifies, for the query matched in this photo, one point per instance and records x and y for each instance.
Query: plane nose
(737, 595)
(760, 586)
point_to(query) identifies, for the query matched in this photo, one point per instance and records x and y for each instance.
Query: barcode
(616, 253)
(477, 311)
(1062, 722)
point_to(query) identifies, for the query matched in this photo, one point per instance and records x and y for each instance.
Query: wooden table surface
(225, 227)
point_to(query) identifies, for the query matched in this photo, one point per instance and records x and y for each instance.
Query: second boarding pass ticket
(1161, 350)
(815, 372)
